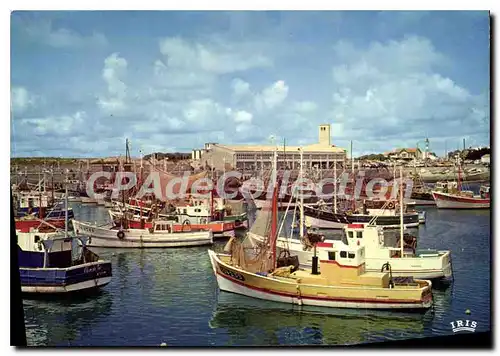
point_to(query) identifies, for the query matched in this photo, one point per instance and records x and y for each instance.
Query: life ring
(391, 205)
(120, 234)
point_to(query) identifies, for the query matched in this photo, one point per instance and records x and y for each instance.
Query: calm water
(171, 296)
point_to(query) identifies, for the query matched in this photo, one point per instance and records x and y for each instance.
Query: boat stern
(426, 295)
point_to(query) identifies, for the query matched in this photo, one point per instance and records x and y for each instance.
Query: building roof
(269, 148)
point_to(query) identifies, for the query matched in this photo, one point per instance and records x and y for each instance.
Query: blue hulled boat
(53, 263)
(57, 263)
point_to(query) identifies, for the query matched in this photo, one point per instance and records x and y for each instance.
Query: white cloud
(21, 99)
(243, 117)
(240, 87)
(391, 90)
(216, 56)
(50, 126)
(45, 33)
(272, 96)
(113, 73)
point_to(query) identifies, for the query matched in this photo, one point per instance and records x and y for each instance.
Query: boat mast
(274, 209)
(401, 229)
(353, 182)
(66, 206)
(301, 172)
(335, 187)
(459, 183)
(52, 183)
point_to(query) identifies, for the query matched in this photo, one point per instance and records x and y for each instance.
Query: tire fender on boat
(120, 234)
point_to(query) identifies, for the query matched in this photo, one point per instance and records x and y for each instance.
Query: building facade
(405, 153)
(259, 157)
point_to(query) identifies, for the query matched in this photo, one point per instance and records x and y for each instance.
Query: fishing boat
(324, 216)
(404, 257)
(257, 271)
(57, 263)
(47, 264)
(452, 196)
(199, 213)
(162, 234)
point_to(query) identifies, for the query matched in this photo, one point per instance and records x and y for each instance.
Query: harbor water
(170, 296)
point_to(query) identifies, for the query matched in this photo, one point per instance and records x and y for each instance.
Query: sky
(83, 82)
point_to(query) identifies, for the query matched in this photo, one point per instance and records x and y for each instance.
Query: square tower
(324, 134)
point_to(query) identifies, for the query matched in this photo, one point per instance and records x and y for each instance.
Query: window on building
(352, 255)
(331, 255)
(343, 254)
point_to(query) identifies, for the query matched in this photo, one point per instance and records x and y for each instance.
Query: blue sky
(81, 82)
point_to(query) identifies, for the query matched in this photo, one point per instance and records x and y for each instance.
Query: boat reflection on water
(61, 321)
(250, 321)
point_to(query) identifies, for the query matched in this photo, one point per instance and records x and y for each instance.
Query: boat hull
(85, 277)
(237, 281)
(451, 201)
(140, 238)
(329, 220)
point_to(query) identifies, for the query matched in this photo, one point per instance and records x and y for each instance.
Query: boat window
(343, 254)
(331, 255)
(359, 234)
(352, 255)
(344, 238)
(350, 234)
(37, 238)
(185, 211)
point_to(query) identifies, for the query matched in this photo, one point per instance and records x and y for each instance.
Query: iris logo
(463, 325)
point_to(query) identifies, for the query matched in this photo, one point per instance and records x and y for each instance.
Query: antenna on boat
(401, 229)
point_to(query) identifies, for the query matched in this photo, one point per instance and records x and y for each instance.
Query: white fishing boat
(162, 234)
(258, 271)
(404, 257)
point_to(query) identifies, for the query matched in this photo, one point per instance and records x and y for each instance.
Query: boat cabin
(162, 226)
(32, 200)
(374, 239)
(344, 265)
(52, 250)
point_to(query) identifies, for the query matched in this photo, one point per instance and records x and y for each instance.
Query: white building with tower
(254, 157)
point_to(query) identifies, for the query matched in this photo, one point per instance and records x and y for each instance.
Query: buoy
(467, 311)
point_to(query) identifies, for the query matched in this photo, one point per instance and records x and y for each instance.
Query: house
(485, 159)
(406, 153)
